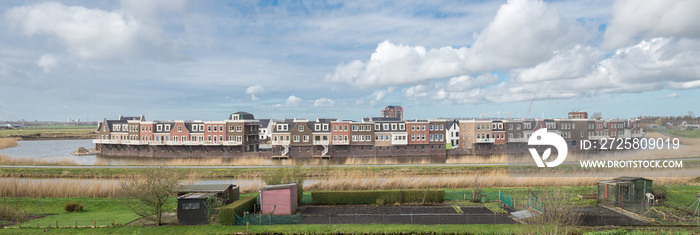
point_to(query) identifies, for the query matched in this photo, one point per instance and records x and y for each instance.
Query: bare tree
(553, 212)
(478, 182)
(146, 194)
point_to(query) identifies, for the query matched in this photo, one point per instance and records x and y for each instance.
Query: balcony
(341, 142)
(517, 140)
(233, 143)
(485, 140)
(321, 142)
(281, 142)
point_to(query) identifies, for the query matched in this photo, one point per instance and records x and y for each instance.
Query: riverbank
(50, 133)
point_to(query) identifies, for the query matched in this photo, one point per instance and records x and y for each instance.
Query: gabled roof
(264, 122)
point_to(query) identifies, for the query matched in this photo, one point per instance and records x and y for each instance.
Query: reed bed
(27, 161)
(495, 178)
(17, 187)
(8, 142)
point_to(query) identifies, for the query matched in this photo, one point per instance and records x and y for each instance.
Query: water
(51, 150)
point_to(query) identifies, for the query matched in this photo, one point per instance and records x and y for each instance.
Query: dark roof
(279, 186)
(382, 119)
(129, 118)
(110, 124)
(264, 122)
(245, 115)
(326, 119)
(629, 178)
(188, 125)
(196, 196)
(393, 107)
(204, 188)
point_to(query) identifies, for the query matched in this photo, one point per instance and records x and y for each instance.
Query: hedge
(227, 213)
(377, 196)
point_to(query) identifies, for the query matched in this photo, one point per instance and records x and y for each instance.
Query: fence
(505, 199)
(407, 219)
(467, 195)
(258, 219)
(534, 203)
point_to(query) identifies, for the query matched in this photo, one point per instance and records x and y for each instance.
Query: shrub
(227, 213)
(374, 196)
(73, 207)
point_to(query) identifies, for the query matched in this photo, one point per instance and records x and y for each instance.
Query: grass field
(99, 211)
(50, 132)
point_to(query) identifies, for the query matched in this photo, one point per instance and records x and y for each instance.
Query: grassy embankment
(51, 132)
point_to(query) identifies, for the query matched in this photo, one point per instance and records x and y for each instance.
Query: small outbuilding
(226, 193)
(280, 199)
(192, 208)
(624, 190)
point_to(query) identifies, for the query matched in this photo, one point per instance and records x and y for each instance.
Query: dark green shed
(642, 186)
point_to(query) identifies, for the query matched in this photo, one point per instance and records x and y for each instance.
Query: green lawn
(102, 211)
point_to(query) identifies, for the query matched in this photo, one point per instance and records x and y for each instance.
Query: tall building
(578, 115)
(393, 112)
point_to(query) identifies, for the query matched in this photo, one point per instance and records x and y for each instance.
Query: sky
(202, 60)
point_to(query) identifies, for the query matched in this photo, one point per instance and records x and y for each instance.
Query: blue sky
(347, 59)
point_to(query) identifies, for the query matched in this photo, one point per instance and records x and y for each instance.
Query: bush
(227, 213)
(73, 207)
(374, 196)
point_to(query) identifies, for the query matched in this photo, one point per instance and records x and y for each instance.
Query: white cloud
(393, 64)
(523, 33)
(293, 101)
(252, 90)
(632, 19)
(89, 33)
(47, 62)
(324, 103)
(672, 95)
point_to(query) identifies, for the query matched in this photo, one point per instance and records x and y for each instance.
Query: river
(51, 151)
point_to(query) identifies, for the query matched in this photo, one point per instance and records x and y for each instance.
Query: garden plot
(367, 214)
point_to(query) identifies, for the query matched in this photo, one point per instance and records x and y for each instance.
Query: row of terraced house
(387, 136)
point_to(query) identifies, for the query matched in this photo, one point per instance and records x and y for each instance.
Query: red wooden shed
(280, 199)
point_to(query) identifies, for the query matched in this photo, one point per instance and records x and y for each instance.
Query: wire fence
(407, 219)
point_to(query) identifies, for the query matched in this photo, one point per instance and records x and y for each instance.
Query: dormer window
(194, 127)
(167, 127)
(325, 127)
(160, 128)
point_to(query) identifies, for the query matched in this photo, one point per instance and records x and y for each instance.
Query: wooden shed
(624, 190)
(226, 193)
(280, 199)
(192, 208)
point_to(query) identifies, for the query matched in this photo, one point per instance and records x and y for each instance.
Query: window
(159, 128)
(306, 138)
(377, 127)
(296, 138)
(179, 129)
(442, 127)
(335, 128)
(317, 127)
(510, 126)
(301, 127)
(386, 126)
(239, 128)
(423, 127)
(190, 206)
(442, 137)
(402, 126)
(208, 128)
(431, 127)
(221, 128)
(325, 127)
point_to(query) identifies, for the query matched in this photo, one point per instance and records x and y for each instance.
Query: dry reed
(27, 161)
(494, 178)
(16, 187)
(8, 142)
